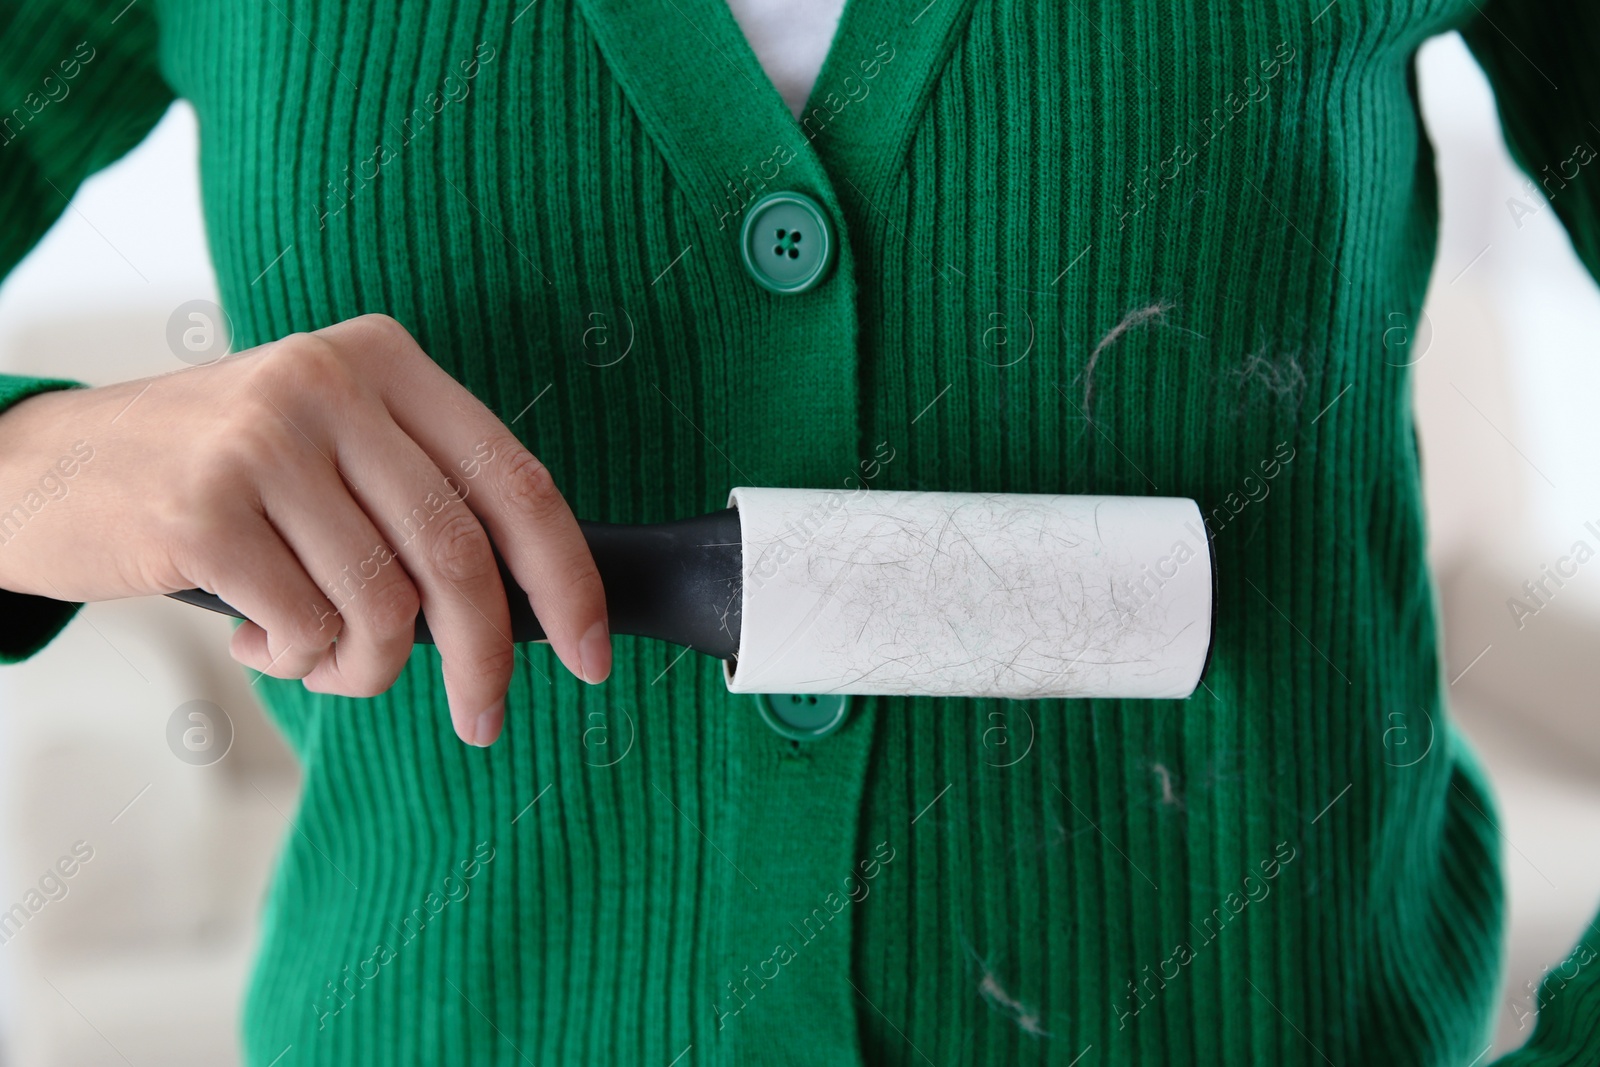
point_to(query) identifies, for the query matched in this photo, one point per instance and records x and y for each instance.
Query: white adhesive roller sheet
(971, 594)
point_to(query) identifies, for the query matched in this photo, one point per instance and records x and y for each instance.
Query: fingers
(446, 552)
(431, 474)
(356, 569)
(514, 496)
(544, 549)
(295, 625)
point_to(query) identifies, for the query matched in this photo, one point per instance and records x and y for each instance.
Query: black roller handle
(678, 581)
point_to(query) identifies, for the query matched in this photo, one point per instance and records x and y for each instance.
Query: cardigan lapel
(689, 71)
(886, 57)
(720, 124)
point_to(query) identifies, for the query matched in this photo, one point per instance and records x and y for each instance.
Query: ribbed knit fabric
(1146, 247)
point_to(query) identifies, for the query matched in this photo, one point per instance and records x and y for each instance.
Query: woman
(1135, 248)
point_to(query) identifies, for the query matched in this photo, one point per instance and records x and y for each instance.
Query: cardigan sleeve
(79, 87)
(1543, 59)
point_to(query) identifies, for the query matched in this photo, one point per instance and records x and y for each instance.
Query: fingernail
(594, 653)
(488, 725)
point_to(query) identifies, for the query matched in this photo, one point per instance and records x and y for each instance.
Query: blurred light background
(146, 957)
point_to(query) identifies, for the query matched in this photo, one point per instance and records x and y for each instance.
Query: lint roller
(1018, 595)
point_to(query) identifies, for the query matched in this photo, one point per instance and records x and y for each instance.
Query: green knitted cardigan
(1146, 247)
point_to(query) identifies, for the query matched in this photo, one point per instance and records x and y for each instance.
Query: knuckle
(286, 664)
(303, 365)
(298, 354)
(392, 607)
(303, 632)
(459, 550)
(584, 585)
(495, 663)
(528, 484)
(371, 676)
(383, 328)
(323, 625)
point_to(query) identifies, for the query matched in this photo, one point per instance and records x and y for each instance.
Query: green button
(787, 243)
(803, 716)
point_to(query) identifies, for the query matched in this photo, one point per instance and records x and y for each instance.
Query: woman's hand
(328, 485)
